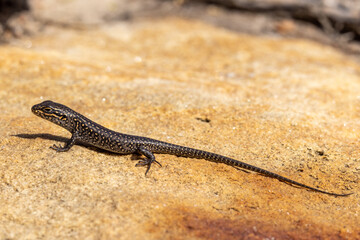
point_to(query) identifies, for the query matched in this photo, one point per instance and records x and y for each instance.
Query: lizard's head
(53, 112)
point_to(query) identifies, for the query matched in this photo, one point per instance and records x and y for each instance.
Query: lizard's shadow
(51, 137)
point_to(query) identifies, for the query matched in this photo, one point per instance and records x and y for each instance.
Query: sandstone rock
(288, 105)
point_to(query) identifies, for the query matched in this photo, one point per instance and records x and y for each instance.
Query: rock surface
(289, 106)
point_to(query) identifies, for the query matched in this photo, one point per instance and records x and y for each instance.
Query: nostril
(33, 109)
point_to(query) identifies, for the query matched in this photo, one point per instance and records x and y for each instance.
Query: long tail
(182, 151)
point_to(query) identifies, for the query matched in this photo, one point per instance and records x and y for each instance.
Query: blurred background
(333, 22)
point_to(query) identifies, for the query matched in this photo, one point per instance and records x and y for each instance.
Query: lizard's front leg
(67, 145)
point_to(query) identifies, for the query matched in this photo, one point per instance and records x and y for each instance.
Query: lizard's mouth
(35, 110)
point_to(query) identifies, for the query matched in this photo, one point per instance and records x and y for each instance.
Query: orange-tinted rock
(289, 106)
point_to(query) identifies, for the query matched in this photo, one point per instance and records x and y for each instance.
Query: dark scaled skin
(86, 131)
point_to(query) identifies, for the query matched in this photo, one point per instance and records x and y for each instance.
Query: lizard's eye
(47, 110)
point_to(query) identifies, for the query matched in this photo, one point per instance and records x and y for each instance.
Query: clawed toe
(58, 148)
(55, 147)
(157, 163)
(143, 162)
(147, 162)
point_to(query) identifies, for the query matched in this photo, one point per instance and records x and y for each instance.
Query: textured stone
(290, 106)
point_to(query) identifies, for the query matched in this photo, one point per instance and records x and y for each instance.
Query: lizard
(86, 131)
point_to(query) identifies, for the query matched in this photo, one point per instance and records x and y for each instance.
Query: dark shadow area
(51, 137)
(42, 136)
(7, 9)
